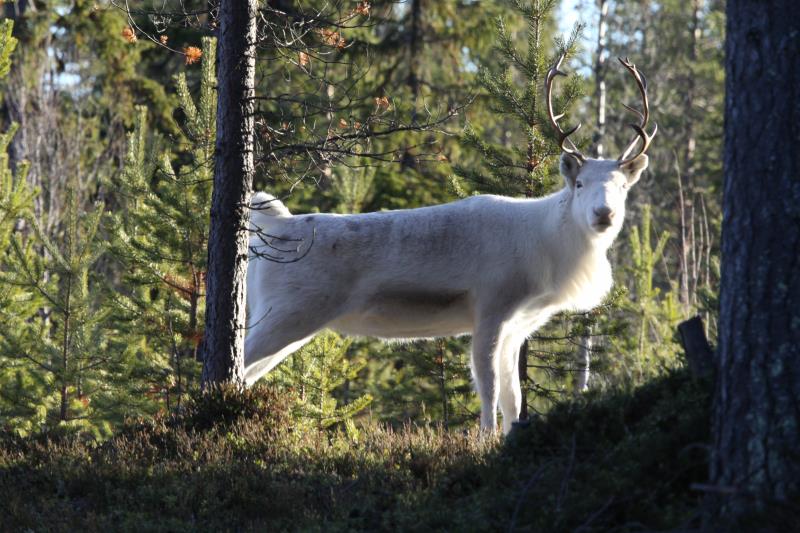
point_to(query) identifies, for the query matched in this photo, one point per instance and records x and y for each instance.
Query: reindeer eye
(578, 184)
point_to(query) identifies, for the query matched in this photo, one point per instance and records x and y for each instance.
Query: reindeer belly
(407, 314)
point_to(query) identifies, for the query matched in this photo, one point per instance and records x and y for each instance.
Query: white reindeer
(493, 267)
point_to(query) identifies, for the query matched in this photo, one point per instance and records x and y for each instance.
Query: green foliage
(689, 146)
(620, 462)
(425, 57)
(62, 355)
(7, 45)
(160, 235)
(424, 381)
(22, 388)
(648, 346)
(57, 360)
(353, 187)
(315, 373)
(521, 161)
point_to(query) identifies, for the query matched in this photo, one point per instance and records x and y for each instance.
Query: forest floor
(621, 461)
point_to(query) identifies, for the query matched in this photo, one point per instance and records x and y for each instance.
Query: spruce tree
(524, 161)
(21, 386)
(58, 366)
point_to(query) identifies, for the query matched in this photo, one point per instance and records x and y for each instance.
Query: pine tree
(234, 168)
(20, 388)
(646, 347)
(160, 235)
(515, 88)
(522, 162)
(316, 374)
(83, 379)
(59, 363)
(426, 381)
(20, 385)
(352, 187)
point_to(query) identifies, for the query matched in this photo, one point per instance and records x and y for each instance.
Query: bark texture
(223, 347)
(757, 398)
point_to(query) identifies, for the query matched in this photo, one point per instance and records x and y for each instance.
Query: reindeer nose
(604, 213)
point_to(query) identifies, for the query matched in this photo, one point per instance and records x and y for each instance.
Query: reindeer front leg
(510, 390)
(486, 352)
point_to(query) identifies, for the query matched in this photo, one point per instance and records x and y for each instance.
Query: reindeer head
(599, 187)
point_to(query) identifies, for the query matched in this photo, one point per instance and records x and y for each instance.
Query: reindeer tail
(265, 211)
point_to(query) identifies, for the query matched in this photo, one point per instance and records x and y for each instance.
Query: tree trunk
(522, 368)
(688, 190)
(756, 428)
(414, 52)
(223, 345)
(584, 359)
(600, 76)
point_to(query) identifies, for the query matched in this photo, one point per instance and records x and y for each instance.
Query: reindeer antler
(643, 115)
(563, 136)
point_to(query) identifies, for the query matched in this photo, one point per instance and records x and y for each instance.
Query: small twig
(275, 259)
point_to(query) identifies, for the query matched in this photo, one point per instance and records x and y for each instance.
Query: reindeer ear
(570, 168)
(634, 168)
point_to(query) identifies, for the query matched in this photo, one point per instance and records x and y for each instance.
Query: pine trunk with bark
(223, 345)
(755, 464)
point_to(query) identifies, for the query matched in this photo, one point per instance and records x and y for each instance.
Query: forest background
(110, 303)
(105, 183)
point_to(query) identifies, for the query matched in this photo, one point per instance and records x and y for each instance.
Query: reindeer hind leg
(274, 336)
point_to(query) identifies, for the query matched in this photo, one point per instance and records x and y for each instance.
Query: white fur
(493, 267)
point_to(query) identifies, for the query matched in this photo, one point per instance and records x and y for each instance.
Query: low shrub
(232, 460)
